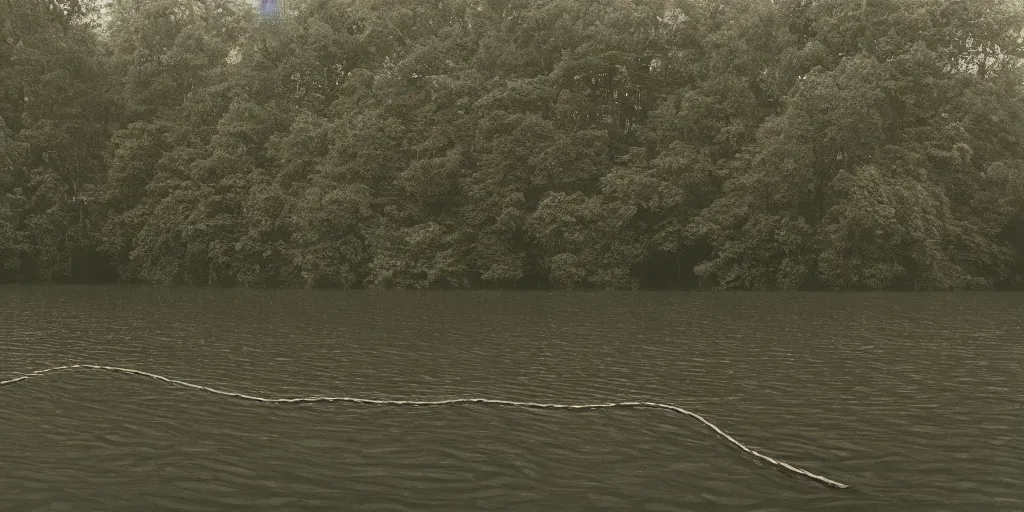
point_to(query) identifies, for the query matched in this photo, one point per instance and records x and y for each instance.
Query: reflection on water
(913, 399)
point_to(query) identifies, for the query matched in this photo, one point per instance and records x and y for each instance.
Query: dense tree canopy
(733, 144)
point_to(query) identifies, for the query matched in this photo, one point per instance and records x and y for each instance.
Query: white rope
(417, 403)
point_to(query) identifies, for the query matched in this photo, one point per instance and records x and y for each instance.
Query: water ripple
(916, 400)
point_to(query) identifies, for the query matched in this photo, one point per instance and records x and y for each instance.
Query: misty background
(736, 144)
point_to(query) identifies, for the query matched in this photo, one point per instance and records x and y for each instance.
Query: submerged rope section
(419, 403)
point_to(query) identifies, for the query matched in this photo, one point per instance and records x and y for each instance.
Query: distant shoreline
(547, 144)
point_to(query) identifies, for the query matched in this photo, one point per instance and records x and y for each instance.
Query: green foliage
(52, 136)
(887, 229)
(738, 144)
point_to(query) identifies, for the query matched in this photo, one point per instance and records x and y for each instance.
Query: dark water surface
(915, 400)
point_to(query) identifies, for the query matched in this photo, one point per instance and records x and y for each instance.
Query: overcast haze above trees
(734, 144)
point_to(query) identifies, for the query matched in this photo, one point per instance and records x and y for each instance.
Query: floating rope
(417, 403)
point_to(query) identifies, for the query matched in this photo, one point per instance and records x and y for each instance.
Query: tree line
(713, 144)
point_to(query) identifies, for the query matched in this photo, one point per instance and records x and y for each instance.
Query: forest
(478, 144)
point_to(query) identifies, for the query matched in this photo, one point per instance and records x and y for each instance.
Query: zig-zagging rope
(415, 403)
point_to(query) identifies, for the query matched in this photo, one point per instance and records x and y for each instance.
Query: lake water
(914, 400)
